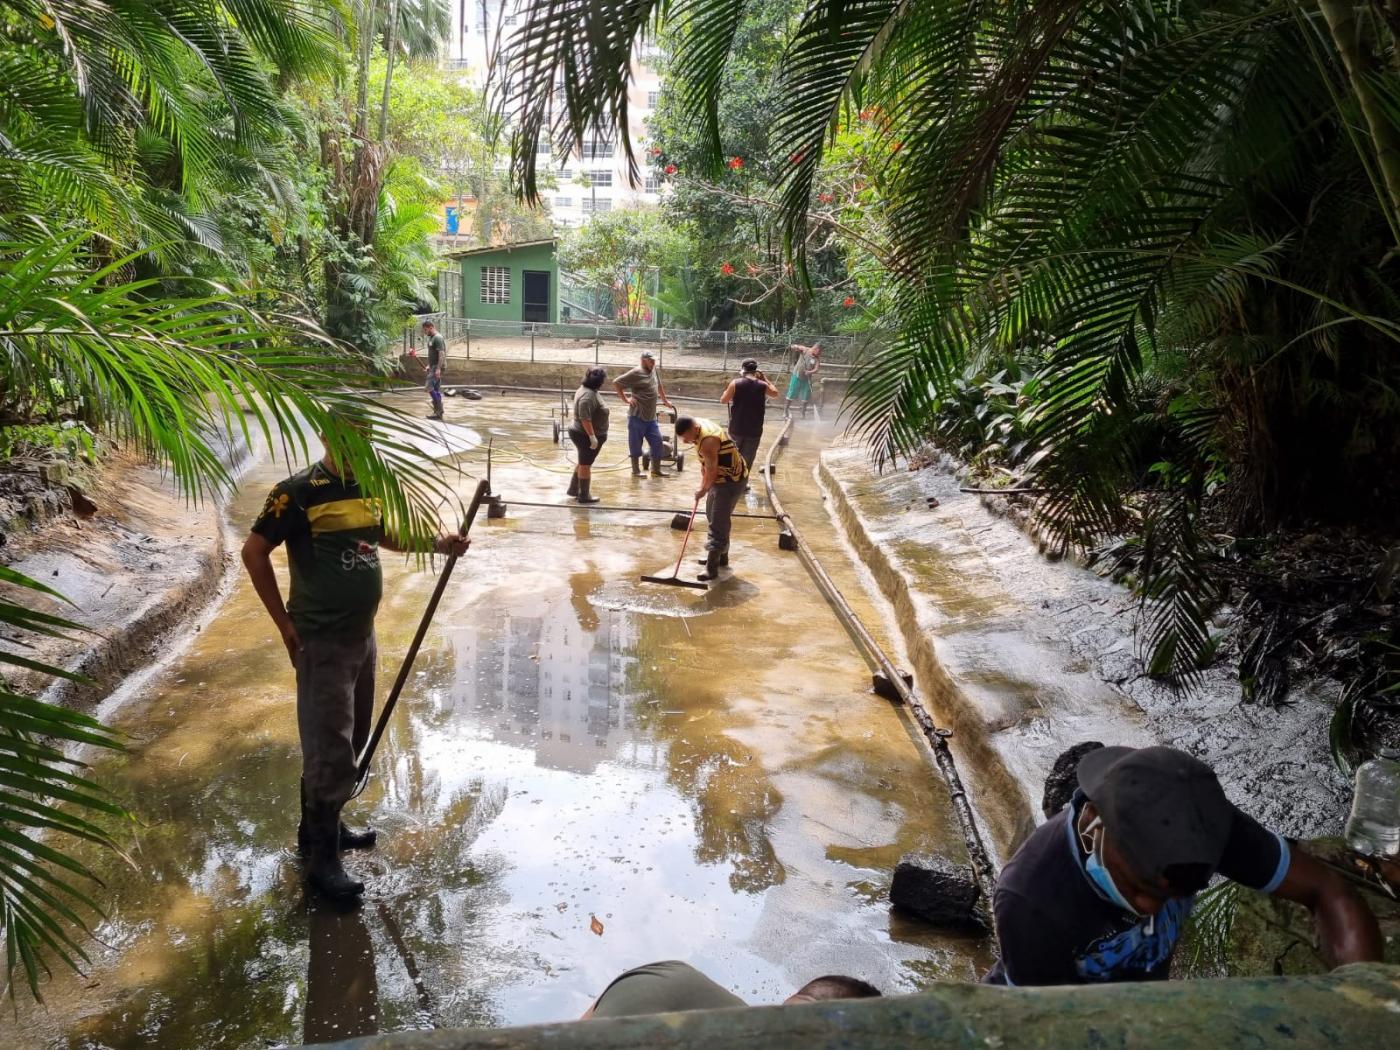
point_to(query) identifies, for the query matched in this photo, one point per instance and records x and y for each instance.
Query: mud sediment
(1025, 657)
(136, 573)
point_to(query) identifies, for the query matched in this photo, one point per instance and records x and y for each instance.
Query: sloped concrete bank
(136, 572)
(1024, 657)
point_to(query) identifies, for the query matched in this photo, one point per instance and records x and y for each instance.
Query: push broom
(674, 579)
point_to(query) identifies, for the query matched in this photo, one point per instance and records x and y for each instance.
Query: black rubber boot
(656, 469)
(323, 867)
(573, 486)
(584, 495)
(712, 564)
(723, 559)
(636, 466)
(350, 838)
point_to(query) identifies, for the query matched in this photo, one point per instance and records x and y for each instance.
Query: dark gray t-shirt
(588, 405)
(437, 350)
(644, 387)
(663, 987)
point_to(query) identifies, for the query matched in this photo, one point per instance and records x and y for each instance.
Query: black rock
(938, 891)
(1063, 780)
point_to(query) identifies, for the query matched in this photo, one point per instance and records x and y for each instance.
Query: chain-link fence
(614, 344)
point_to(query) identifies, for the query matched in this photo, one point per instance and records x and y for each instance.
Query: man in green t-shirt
(333, 535)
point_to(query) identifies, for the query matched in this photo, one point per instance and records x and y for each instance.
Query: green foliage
(726, 167)
(67, 440)
(1206, 941)
(1181, 218)
(173, 224)
(439, 119)
(621, 254)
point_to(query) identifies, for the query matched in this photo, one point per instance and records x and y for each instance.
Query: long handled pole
(363, 775)
(689, 525)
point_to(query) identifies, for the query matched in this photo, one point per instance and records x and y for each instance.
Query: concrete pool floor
(585, 773)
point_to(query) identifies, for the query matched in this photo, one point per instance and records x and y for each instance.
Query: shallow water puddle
(585, 774)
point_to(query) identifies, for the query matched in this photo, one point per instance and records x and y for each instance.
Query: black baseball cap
(1165, 809)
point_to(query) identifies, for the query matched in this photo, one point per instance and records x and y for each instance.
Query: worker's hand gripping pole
(482, 488)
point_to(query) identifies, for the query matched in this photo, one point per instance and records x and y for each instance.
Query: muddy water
(585, 773)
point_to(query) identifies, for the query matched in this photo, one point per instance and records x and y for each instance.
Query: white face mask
(1097, 870)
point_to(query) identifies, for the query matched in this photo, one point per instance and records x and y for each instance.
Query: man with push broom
(333, 535)
(723, 474)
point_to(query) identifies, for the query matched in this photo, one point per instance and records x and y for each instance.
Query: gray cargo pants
(719, 512)
(335, 706)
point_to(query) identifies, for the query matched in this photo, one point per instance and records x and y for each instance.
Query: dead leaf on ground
(595, 925)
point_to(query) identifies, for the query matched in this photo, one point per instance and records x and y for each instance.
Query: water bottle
(1374, 825)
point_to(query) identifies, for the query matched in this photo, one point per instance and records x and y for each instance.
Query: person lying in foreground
(1101, 891)
(670, 986)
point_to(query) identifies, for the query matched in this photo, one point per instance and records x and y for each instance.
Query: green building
(510, 282)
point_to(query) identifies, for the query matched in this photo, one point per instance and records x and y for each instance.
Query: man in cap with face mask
(1101, 891)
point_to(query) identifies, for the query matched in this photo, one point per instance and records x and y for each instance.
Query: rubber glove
(593, 442)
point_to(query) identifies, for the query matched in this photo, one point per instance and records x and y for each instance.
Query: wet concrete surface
(585, 773)
(1025, 657)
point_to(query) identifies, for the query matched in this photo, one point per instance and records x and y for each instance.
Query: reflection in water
(342, 991)
(555, 681)
(702, 773)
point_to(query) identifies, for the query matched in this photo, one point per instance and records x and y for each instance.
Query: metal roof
(463, 253)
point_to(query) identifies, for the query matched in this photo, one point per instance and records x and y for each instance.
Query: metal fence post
(597, 342)
(724, 365)
(468, 333)
(532, 342)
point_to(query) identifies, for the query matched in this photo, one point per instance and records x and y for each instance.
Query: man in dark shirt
(1101, 891)
(333, 535)
(747, 398)
(437, 354)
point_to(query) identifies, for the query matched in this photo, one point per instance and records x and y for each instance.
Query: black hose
(937, 737)
(638, 510)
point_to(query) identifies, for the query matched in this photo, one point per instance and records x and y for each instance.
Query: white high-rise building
(595, 178)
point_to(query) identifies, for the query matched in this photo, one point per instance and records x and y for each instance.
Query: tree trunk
(366, 43)
(1361, 63)
(391, 48)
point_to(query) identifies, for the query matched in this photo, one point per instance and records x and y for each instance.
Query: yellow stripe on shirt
(342, 515)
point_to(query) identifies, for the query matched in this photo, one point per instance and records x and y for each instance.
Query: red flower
(726, 269)
(848, 302)
(826, 198)
(736, 163)
(670, 169)
(798, 157)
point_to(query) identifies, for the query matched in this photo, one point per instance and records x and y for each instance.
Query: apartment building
(591, 179)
